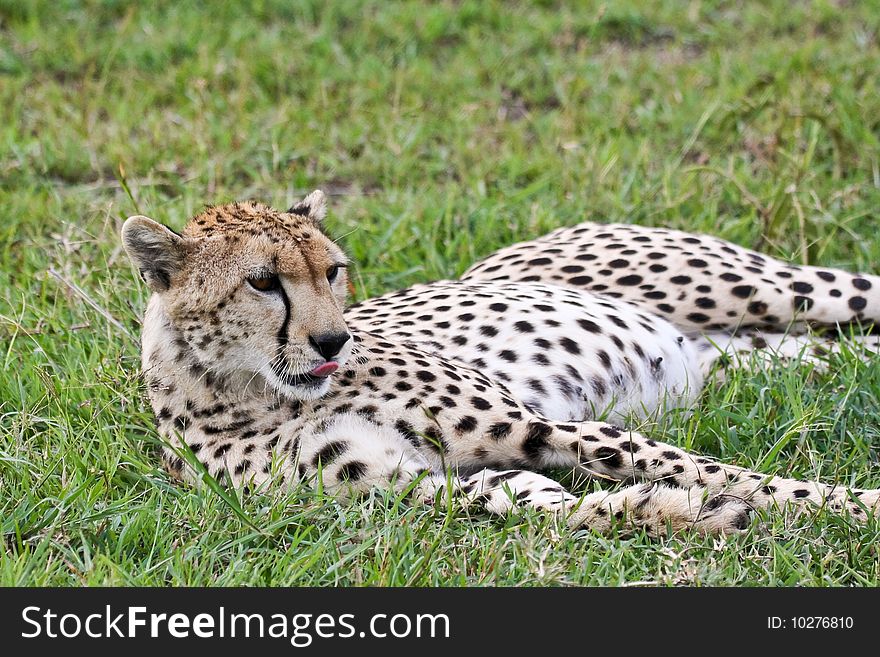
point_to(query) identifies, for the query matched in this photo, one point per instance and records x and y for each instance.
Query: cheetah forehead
(248, 218)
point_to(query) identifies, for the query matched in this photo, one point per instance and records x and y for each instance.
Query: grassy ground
(442, 131)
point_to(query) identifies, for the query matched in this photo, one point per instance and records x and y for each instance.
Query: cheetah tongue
(325, 370)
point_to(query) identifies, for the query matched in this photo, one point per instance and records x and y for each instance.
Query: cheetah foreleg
(653, 507)
(349, 454)
(621, 455)
(657, 508)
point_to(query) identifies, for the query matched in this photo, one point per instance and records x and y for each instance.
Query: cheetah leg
(697, 282)
(352, 455)
(652, 507)
(610, 452)
(656, 508)
(756, 349)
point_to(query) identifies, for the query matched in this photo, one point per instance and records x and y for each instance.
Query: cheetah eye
(265, 283)
(333, 272)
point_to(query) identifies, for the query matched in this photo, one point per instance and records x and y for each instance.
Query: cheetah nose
(329, 344)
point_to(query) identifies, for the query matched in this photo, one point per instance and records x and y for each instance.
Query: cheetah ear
(156, 250)
(313, 206)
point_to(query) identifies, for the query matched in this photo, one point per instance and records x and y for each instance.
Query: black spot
(570, 346)
(435, 439)
(609, 456)
(536, 438)
(352, 471)
(329, 452)
(858, 303)
(369, 411)
(741, 521)
(672, 456)
(480, 403)
(501, 477)
(406, 429)
(801, 493)
(499, 431)
(757, 307)
(802, 303)
(537, 386)
(743, 291)
(861, 284)
(589, 325)
(507, 355)
(466, 424)
(801, 288)
(523, 327)
(632, 279)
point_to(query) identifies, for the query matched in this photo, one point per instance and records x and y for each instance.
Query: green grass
(441, 131)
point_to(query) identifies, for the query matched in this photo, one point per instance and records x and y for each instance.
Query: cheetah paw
(658, 508)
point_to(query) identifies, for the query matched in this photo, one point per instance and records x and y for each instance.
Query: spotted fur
(697, 282)
(491, 380)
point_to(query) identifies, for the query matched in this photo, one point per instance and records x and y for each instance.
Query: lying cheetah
(466, 387)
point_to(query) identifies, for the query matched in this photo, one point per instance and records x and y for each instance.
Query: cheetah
(258, 375)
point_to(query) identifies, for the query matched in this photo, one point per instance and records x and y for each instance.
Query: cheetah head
(251, 292)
